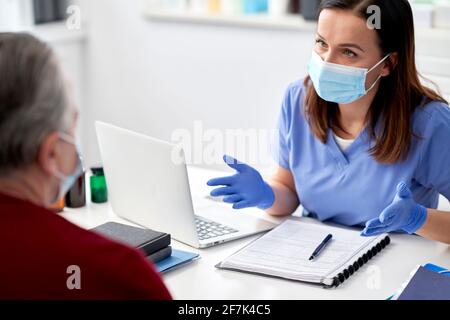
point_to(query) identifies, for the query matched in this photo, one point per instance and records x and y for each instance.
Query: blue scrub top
(351, 187)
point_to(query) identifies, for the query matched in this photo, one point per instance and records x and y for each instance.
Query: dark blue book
(427, 285)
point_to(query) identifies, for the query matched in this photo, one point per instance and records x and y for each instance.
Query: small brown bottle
(76, 196)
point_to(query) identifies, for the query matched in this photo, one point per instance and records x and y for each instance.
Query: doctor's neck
(352, 116)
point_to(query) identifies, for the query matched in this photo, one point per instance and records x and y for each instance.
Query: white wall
(155, 77)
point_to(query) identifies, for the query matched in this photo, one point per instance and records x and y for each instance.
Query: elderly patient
(39, 250)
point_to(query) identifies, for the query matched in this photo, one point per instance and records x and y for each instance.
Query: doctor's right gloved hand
(244, 189)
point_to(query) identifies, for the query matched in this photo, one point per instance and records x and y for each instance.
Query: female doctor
(361, 141)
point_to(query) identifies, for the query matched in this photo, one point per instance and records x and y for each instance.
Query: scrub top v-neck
(349, 186)
(343, 143)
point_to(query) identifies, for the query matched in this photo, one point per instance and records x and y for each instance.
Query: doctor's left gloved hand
(244, 189)
(402, 214)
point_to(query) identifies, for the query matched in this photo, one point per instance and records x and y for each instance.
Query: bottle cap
(97, 170)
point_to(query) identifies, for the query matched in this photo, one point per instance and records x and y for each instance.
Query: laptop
(148, 185)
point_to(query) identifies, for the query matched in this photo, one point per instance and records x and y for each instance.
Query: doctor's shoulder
(432, 114)
(294, 96)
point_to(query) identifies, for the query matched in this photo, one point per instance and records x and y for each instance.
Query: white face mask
(338, 83)
(66, 182)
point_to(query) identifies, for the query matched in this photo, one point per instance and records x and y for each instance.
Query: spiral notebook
(284, 252)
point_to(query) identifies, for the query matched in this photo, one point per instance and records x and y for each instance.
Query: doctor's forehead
(345, 26)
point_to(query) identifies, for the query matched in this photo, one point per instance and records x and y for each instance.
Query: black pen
(321, 246)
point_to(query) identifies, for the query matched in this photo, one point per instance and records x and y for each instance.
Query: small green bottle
(99, 192)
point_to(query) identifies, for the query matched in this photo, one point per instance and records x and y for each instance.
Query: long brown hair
(399, 93)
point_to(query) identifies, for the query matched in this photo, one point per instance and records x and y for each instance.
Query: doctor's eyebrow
(344, 45)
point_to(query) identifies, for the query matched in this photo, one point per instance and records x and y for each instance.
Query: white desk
(378, 279)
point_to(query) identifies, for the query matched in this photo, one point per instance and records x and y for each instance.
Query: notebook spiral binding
(352, 268)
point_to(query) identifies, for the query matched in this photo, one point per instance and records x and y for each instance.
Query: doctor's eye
(321, 43)
(349, 53)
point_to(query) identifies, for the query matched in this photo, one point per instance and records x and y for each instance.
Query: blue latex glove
(402, 214)
(244, 189)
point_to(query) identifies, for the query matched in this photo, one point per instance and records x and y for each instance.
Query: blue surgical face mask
(338, 83)
(66, 182)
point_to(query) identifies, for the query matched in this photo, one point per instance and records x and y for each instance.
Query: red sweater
(37, 248)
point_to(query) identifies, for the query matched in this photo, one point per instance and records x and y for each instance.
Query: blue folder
(430, 282)
(177, 259)
(437, 269)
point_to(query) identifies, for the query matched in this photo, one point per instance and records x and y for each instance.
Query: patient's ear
(48, 153)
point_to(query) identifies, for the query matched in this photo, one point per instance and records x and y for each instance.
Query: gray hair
(33, 99)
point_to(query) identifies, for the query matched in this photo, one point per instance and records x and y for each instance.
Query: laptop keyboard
(207, 229)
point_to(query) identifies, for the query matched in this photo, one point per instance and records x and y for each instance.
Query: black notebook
(149, 241)
(161, 254)
(284, 252)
